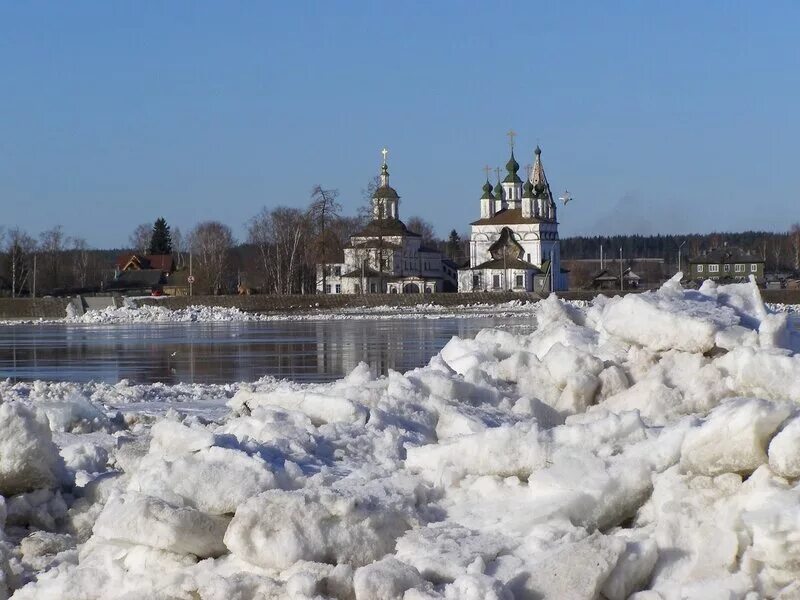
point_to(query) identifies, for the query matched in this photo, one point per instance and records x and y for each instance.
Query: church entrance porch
(415, 286)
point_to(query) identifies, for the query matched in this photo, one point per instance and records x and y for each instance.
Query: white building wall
(483, 236)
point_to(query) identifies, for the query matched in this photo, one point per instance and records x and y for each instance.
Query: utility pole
(679, 255)
(191, 276)
(601, 257)
(505, 267)
(621, 280)
(33, 292)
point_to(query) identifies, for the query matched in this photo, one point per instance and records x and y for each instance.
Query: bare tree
(794, 240)
(51, 248)
(260, 234)
(179, 248)
(20, 248)
(424, 228)
(321, 212)
(139, 240)
(80, 261)
(778, 245)
(368, 193)
(278, 235)
(344, 227)
(211, 243)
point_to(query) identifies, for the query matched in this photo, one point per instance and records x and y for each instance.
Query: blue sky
(658, 116)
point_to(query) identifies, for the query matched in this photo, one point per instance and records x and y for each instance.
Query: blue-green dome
(498, 190)
(512, 166)
(487, 191)
(527, 190)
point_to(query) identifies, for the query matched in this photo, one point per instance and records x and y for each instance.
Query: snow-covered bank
(211, 314)
(207, 314)
(650, 442)
(216, 314)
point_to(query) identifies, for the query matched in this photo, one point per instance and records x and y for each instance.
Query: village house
(603, 274)
(147, 274)
(726, 264)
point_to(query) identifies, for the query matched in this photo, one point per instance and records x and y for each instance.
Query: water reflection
(228, 352)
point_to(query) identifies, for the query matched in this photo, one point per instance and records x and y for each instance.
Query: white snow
(29, 459)
(643, 447)
(132, 313)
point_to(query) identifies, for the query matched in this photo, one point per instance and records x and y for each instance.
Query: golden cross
(497, 173)
(384, 152)
(511, 134)
(487, 169)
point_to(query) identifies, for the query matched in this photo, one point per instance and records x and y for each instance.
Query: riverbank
(55, 308)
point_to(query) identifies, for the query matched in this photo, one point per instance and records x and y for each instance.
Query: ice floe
(642, 447)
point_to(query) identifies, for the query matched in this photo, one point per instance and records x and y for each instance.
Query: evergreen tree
(454, 246)
(161, 242)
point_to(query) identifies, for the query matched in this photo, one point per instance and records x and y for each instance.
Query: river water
(226, 352)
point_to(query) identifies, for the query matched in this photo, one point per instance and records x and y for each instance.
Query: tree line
(45, 263)
(279, 255)
(284, 245)
(780, 250)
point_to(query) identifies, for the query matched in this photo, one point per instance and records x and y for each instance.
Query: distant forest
(781, 251)
(284, 245)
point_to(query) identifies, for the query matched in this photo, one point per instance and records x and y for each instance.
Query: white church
(386, 257)
(514, 245)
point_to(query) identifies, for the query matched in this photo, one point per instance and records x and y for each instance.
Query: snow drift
(645, 446)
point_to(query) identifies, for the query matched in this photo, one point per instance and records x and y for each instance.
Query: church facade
(514, 246)
(387, 257)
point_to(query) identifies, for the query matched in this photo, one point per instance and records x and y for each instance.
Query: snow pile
(787, 308)
(160, 314)
(131, 313)
(28, 458)
(645, 446)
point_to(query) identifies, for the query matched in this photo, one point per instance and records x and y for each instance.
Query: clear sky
(657, 116)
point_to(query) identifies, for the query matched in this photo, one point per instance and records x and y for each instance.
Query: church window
(476, 282)
(328, 289)
(337, 271)
(753, 268)
(496, 281)
(338, 289)
(373, 288)
(529, 257)
(520, 280)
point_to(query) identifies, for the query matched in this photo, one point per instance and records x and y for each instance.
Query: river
(227, 352)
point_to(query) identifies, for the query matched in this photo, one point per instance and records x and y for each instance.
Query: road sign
(190, 279)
